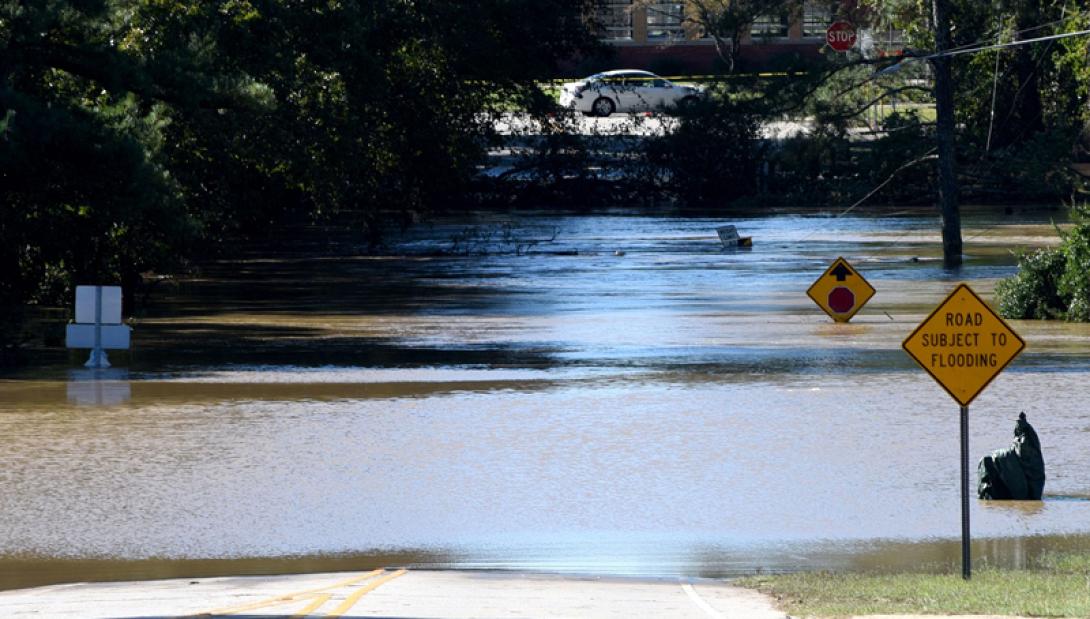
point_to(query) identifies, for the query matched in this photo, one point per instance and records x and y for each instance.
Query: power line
(1023, 31)
(995, 91)
(959, 51)
(1051, 37)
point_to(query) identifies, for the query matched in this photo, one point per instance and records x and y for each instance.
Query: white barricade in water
(98, 324)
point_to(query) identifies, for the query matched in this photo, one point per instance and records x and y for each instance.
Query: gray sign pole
(96, 354)
(966, 559)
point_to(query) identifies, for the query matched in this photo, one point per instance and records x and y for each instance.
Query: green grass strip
(1058, 587)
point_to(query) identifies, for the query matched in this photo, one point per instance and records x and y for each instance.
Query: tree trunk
(944, 110)
(1026, 115)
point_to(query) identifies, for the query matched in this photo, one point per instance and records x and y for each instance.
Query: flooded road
(605, 394)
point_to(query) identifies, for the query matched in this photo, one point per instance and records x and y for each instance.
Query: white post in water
(98, 324)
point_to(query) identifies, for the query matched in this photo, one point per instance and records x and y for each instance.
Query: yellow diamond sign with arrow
(841, 291)
(963, 344)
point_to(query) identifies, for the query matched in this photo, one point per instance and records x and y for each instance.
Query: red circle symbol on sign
(841, 300)
(840, 36)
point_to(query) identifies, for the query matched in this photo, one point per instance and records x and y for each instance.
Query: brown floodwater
(610, 394)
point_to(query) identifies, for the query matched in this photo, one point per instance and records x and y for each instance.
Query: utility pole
(944, 128)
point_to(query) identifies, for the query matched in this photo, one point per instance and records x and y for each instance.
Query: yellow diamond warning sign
(963, 344)
(841, 291)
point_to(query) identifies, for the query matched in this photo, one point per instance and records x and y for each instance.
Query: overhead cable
(958, 52)
(893, 68)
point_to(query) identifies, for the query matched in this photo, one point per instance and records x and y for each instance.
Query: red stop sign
(841, 300)
(840, 36)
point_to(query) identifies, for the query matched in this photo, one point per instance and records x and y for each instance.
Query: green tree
(711, 157)
(1052, 282)
(132, 129)
(83, 194)
(377, 110)
(1007, 97)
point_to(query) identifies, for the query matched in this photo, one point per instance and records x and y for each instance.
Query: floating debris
(728, 236)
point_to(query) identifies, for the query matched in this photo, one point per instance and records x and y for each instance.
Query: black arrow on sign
(841, 272)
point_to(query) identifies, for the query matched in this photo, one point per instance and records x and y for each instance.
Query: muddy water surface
(606, 394)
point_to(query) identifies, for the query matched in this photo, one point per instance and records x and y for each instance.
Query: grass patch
(925, 111)
(1058, 586)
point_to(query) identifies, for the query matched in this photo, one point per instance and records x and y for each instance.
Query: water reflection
(1024, 508)
(601, 556)
(99, 387)
(29, 571)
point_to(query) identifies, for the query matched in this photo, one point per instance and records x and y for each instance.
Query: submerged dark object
(1016, 473)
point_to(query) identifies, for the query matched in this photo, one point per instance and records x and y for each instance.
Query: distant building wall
(702, 57)
(662, 37)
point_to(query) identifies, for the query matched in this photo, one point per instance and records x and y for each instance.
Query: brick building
(666, 37)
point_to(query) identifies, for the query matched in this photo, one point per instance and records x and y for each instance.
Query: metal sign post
(966, 559)
(98, 357)
(963, 345)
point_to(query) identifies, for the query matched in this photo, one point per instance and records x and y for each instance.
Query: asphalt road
(393, 593)
(634, 125)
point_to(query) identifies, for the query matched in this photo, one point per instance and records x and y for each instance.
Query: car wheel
(603, 107)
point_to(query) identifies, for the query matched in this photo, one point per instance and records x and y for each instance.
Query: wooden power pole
(944, 128)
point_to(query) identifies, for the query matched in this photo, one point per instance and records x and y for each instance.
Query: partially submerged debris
(1016, 473)
(728, 236)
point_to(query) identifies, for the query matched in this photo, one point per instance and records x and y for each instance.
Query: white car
(626, 90)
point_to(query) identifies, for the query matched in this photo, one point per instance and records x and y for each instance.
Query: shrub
(1074, 285)
(1033, 292)
(1052, 283)
(710, 158)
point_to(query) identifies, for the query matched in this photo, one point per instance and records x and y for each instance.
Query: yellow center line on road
(291, 597)
(319, 599)
(351, 600)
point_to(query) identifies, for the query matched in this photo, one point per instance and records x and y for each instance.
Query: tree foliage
(728, 22)
(134, 133)
(1007, 97)
(711, 158)
(85, 194)
(132, 130)
(1052, 282)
